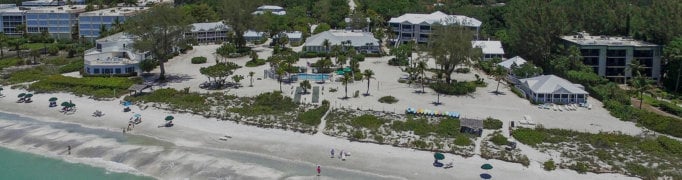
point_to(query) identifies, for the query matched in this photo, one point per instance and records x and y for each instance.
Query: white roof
(111, 49)
(10, 8)
(56, 9)
(335, 37)
(118, 11)
(276, 10)
(509, 62)
(210, 26)
(551, 84)
(437, 17)
(294, 35)
(489, 47)
(583, 38)
(251, 33)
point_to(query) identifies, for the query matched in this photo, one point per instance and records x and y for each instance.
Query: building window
(118, 70)
(96, 71)
(615, 53)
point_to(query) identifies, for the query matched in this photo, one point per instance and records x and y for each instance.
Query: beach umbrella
(52, 99)
(65, 103)
(168, 118)
(28, 95)
(21, 95)
(439, 156)
(486, 176)
(71, 105)
(127, 103)
(137, 115)
(1, 89)
(487, 166)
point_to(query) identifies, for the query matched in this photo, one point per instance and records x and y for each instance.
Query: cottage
(553, 89)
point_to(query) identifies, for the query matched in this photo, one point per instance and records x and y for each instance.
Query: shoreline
(193, 134)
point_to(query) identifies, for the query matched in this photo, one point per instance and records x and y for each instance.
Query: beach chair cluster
(428, 112)
(565, 107)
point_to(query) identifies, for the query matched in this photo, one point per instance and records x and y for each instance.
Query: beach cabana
(137, 88)
(471, 126)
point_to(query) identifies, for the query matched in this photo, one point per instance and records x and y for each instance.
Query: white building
(276, 10)
(113, 55)
(490, 49)
(417, 27)
(610, 56)
(58, 21)
(251, 35)
(212, 32)
(90, 23)
(553, 89)
(511, 62)
(363, 42)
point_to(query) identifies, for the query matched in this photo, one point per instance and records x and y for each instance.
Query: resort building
(212, 32)
(276, 10)
(363, 42)
(90, 23)
(251, 36)
(512, 62)
(610, 56)
(11, 16)
(553, 89)
(489, 49)
(294, 37)
(113, 55)
(418, 27)
(60, 21)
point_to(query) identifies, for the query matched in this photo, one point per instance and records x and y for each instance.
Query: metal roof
(509, 62)
(437, 18)
(551, 84)
(210, 26)
(335, 37)
(583, 38)
(489, 47)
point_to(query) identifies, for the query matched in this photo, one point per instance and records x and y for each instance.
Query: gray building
(11, 17)
(553, 89)
(417, 27)
(610, 56)
(212, 32)
(90, 23)
(59, 22)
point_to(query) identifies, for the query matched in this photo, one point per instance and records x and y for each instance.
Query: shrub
(492, 123)
(72, 67)
(420, 144)
(28, 75)
(447, 127)
(456, 88)
(10, 62)
(529, 136)
(462, 70)
(258, 62)
(379, 138)
(367, 121)
(332, 90)
(518, 92)
(199, 60)
(358, 135)
(312, 117)
(498, 139)
(463, 140)
(180, 100)
(322, 27)
(398, 62)
(388, 100)
(580, 167)
(549, 165)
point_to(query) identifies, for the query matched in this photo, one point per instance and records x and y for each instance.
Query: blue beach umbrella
(486, 176)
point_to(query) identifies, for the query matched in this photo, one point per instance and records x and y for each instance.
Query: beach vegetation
(255, 63)
(199, 60)
(322, 27)
(148, 65)
(456, 88)
(313, 116)
(450, 46)
(492, 123)
(367, 121)
(462, 140)
(29, 75)
(518, 92)
(388, 100)
(498, 139)
(73, 66)
(266, 103)
(219, 72)
(9, 62)
(549, 165)
(96, 87)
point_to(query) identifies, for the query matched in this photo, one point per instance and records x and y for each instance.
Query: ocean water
(19, 165)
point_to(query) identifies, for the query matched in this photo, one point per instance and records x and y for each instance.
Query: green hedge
(97, 87)
(492, 123)
(456, 88)
(258, 62)
(388, 100)
(199, 60)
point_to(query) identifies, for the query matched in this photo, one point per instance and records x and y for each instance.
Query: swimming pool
(312, 77)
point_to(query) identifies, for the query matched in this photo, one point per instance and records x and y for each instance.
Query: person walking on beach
(332, 152)
(318, 170)
(69, 149)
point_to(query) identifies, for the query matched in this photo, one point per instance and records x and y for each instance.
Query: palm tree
(336, 49)
(346, 79)
(3, 41)
(421, 68)
(341, 60)
(305, 85)
(251, 73)
(280, 72)
(641, 85)
(368, 75)
(354, 66)
(635, 69)
(498, 73)
(326, 45)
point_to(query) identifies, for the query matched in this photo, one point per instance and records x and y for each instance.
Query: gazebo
(138, 88)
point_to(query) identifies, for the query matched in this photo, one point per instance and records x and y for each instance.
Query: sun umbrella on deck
(52, 99)
(439, 156)
(487, 166)
(486, 176)
(168, 118)
(21, 95)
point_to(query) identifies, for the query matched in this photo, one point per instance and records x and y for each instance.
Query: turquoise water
(313, 77)
(18, 165)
